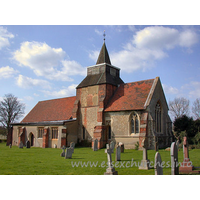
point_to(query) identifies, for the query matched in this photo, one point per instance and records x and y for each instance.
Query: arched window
(158, 118)
(135, 123)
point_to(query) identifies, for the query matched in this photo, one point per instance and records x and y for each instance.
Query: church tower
(93, 95)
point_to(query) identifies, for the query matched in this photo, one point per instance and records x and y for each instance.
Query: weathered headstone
(10, 145)
(28, 144)
(112, 146)
(21, 145)
(72, 145)
(95, 147)
(68, 153)
(118, 153)
(186, 165)
(174, 159)
(144, 162)
(158, 164)
(63, 152)
(122, 147)
(110, 170)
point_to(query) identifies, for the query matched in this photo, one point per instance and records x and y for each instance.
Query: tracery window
(40, 132)
(158, 117)
(54, 132)
(135, 123)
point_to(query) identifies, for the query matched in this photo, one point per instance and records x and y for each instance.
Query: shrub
(136, 145)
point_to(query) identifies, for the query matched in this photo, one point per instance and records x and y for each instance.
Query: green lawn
(48, 161)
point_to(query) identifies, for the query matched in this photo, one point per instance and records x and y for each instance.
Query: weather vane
(104, 35)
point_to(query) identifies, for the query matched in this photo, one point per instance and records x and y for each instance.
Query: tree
(196, 108)
(179, 107)
(10, 110)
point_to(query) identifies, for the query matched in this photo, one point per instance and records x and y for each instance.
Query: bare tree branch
(196, 108)
(179, 107)
(10, 110)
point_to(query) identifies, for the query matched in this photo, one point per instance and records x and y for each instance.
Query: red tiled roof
(51, 110)
(130, 96)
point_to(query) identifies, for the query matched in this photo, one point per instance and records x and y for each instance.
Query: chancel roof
(51, 110)
(130, 96)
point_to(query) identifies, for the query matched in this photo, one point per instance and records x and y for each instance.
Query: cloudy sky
(46, 62)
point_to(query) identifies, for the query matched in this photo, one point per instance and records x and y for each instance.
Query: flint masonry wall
(120, 128)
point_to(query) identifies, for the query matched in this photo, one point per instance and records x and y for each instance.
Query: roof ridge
(140, 81)
(57, 99)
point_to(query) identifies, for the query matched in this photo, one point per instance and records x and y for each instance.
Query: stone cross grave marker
(174, 159)
(186, 165)
(144, 162)
(72, 145)
(68, 153)
(21, 144)
(112, 146)
(158, 164)
(118, 153)
(110, 170)
(28, 144)
(63, 152)
(95, 147)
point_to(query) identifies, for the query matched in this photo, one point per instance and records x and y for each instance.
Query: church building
(104, 108)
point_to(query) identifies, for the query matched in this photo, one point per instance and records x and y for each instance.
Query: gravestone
(174, 159)
(144, 162)
(95, 147)
(72, 145)
(28, 144)
(68, 153)
(118, 153)
(10, 145)
(186, 165)
(63, 152)
(122, 147)
(112, 146)
(158, 164)
(21, 145)
(110, 170)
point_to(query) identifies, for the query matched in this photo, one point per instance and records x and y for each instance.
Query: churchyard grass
(39, 161)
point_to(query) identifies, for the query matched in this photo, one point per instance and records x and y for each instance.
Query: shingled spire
(103, 56)
(103, 72)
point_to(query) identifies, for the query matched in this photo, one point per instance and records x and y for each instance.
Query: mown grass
(39, 161)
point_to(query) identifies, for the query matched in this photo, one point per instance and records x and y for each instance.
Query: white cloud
(194, 89)
(98, 32)
(151, 44)
(7, 72)
(65, 92)
(72, 68)
(47, 62)
(94, 55)
(4, 37)
(188, 38)
(27, 82)
(28, 98)
(169, 89)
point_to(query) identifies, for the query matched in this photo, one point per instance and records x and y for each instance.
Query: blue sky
(46, 62)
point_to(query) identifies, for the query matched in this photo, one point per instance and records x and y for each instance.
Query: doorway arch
(31, 138)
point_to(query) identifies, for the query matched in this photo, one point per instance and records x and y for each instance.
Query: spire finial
(104, 35)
